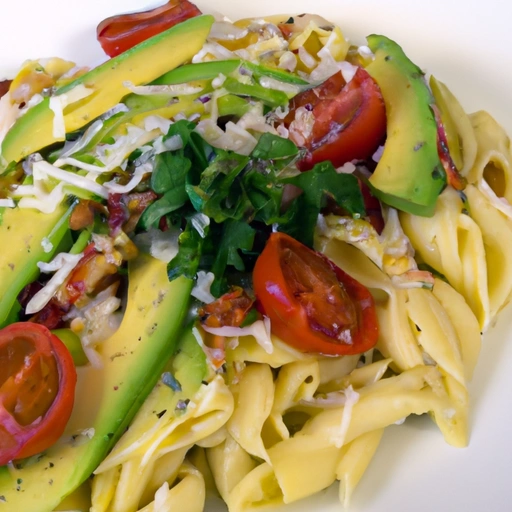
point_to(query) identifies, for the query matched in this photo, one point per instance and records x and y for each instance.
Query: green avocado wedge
(211, 69)
(107, 398)
(25, 234)
(140, 65)
(409, 175)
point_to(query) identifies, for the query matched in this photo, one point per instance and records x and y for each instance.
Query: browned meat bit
(229, 310)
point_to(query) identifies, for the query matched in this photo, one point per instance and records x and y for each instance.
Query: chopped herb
(186, 262)
(318, 184)
(236, 236)
(218, 195)
(19, 481)
(251, 317)
(272, 147)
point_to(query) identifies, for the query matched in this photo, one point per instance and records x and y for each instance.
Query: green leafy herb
(272, 147)
(186, 262)
(318, 184)
(265, 192)
(218, 195)
(236, 236)
(169, 179)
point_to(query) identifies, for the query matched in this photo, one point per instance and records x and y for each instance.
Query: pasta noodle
(493, 160)
(451, 243)
(355, 458)
(254, 396)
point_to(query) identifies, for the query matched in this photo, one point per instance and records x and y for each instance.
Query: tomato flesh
(349, 120)
(120, 33)
(37, 387)
(312, 304)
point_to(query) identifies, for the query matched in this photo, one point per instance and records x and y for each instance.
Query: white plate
(468, 45)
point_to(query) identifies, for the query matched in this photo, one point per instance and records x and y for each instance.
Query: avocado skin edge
(134, 358)
(409, 175)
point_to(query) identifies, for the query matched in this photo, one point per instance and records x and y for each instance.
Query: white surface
(467, 44)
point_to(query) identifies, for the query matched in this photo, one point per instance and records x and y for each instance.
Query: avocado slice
(107, 398)
(211, 69)
(140, 65)
(25, 234)
(409, 175)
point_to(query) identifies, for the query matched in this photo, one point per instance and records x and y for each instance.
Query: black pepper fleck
(161, 413)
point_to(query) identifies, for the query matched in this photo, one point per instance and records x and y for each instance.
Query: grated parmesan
(63, 264)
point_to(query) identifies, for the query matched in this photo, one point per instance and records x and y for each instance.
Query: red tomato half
(312, 304)
(37, 390)
(349, 120)
(120, 33)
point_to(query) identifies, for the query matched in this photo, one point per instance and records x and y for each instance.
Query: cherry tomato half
(37, 390)
(349, 120)
(312, 304)
(120, 33)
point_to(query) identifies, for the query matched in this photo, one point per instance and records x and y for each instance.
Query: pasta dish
(234, 253)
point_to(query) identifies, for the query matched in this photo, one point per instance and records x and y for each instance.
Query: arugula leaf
(186, 262)
(170, 172)
(219, 195)
(265, 192)
(318, 184)
(272, 147)
(236, 236)
(183, 128)
(199, 148)
(168, 178)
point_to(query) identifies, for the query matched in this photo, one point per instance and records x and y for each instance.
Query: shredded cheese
(63, 264)
(260, 330)
(7, 203)
(201, 290)
(352, 398)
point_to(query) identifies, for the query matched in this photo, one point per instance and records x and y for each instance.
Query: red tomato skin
(18, 441)
(120, 33)
(289, 319)
(350, 120)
